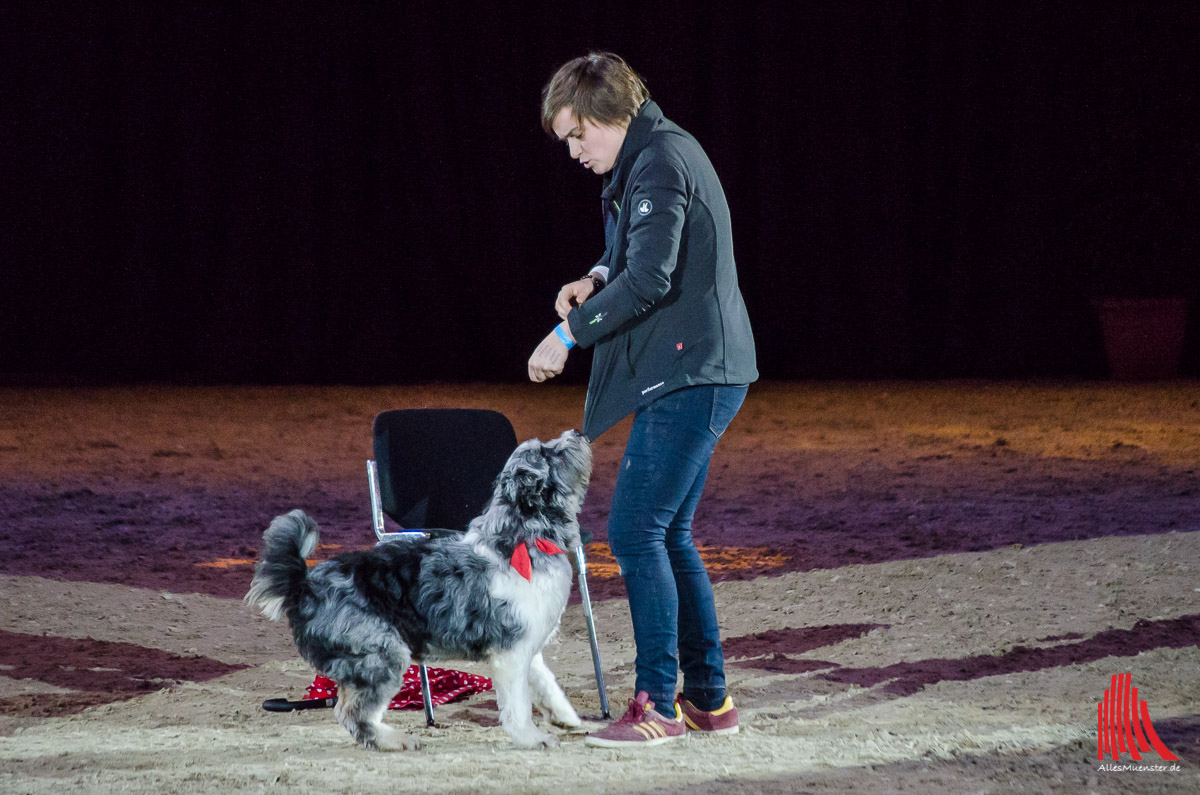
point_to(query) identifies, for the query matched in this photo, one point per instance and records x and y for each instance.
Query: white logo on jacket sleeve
(645, 206)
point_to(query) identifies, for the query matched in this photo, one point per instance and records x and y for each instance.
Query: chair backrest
(437, 466)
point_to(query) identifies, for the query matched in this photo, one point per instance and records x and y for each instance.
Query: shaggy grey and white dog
(363, 617)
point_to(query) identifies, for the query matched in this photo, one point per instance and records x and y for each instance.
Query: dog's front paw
(394, 740)
(535, 741)
(567, 719)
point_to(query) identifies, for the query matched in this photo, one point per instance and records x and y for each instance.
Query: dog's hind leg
(360, 709)
(548, 696)
(510, 676)
(362, 715)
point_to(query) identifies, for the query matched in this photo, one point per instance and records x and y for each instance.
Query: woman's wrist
(562, 331)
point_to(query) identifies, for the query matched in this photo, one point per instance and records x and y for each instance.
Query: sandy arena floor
(923, 588)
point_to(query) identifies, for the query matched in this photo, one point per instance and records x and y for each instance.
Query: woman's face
(594, 146)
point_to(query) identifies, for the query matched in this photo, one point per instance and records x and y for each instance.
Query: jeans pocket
(726, 401)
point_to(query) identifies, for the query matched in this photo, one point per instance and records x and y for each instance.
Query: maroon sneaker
(723, 720)
(641, 725)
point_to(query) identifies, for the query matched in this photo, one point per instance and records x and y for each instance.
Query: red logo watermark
(1124, 723)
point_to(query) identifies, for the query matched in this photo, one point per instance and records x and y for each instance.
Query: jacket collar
(641, 126)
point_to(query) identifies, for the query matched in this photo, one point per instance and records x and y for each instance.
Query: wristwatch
(597, 285)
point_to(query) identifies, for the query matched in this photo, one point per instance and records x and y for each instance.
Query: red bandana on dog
(520, 556)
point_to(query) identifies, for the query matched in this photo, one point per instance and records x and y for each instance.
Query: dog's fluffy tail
(281, 574)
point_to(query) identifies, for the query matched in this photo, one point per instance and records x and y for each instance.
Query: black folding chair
(434, 469)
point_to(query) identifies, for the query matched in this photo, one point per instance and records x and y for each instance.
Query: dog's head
(547, 478)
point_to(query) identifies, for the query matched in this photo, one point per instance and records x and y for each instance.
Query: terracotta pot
(1143, 337)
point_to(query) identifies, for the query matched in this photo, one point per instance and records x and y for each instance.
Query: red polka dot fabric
(444, 684)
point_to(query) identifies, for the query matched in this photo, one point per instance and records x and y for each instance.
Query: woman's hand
(550, 357)
(572, 295)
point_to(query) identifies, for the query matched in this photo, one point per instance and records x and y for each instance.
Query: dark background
(361, 192)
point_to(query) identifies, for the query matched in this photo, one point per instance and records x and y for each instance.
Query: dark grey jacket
(671, 314)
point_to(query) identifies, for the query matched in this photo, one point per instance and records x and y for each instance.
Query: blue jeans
(650, 531)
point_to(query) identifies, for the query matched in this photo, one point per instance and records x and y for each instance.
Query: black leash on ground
(283, 705)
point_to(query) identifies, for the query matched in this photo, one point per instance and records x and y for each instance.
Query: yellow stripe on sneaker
(644, 730)
(728, 705)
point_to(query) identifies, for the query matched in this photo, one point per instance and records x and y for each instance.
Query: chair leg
(376, 500)
(581, 564)
(426, 694)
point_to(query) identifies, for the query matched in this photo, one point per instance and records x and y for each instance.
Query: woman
(673, 345)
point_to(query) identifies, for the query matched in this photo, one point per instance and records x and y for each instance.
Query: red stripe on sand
(1143, 746)
(1153, 736)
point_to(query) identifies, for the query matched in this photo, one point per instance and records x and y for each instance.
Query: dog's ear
(524, 479)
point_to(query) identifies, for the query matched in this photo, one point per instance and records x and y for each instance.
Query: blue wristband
(562, 335)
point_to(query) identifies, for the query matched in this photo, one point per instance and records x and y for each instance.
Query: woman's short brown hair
(599, 87)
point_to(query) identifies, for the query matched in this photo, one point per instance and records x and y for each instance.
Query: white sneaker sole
(600, 742)
(730, 730)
